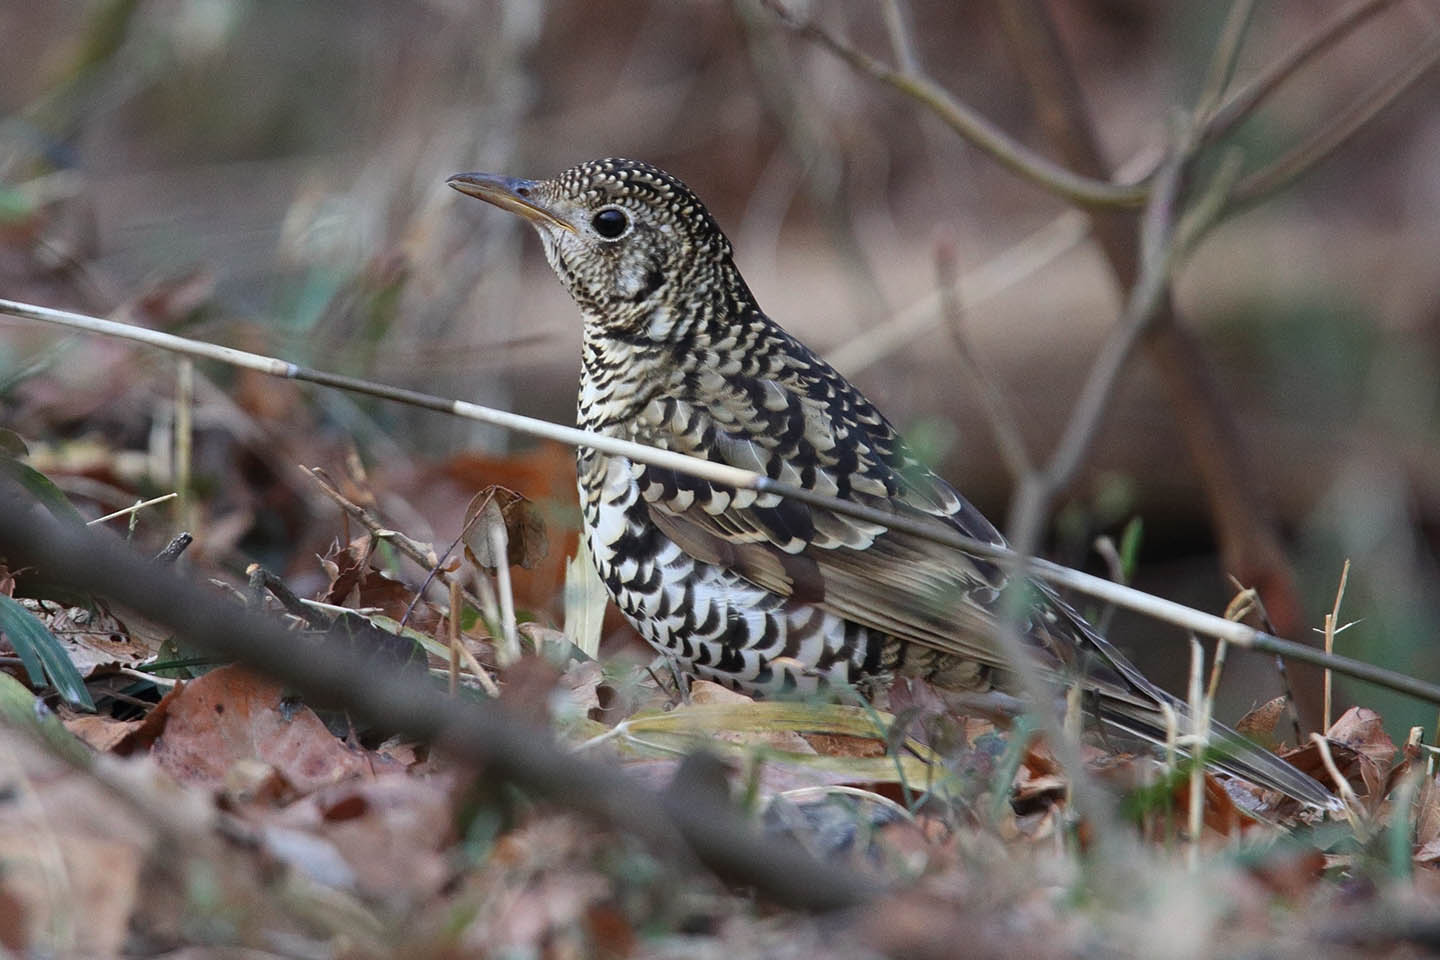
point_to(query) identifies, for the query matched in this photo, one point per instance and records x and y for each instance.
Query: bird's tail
(1227, 749)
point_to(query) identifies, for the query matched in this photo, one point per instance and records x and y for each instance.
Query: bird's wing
(826, 437)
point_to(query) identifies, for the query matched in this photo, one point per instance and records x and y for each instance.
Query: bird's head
(630, 242)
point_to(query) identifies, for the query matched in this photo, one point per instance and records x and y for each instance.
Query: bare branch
(902, 38)
(973, 126)
(1001, 415)
(1225, 56)
(1018, 262)
(1248, 541)
(1342, 126)
(1158, 608)
(482, 735)
(1157, 254)
(1243, 103)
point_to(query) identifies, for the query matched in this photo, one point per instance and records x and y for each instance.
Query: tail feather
(1228, 751)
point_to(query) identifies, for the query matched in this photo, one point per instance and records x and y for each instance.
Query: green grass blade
(44, 656)
(42, 488)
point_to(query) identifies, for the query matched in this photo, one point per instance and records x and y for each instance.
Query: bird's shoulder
(755, 397)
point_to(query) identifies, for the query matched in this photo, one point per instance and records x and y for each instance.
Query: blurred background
(270, 175)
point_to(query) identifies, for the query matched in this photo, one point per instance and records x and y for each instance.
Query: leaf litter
(205, 806)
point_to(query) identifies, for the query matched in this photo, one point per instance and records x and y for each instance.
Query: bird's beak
(508, 193)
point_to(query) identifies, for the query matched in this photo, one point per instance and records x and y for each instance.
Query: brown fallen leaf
(1364, 730)
(1260, 724)
(501, 508)
(230, 715)
(355, 581)
(73, 857)
(101, 733)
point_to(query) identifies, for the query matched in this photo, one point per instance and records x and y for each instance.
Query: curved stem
(1242, 104)
(1342, 126)
(974, 126)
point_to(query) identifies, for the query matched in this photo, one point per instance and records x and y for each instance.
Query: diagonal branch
(1243, 103)
(972, 125)
(1225, 56)
(1248, 543)
(1158, 608)
(1342, 126)
(482, 735)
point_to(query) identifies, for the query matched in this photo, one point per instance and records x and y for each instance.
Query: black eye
(610, 223)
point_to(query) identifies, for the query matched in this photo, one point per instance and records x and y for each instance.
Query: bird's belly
(715, 623)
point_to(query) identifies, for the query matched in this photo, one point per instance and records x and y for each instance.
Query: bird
(764, 594)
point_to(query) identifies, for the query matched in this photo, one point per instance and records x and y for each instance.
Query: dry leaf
(231, 715)
(523, 527)
(101, 733)
(1260, 724)
(1364, 730)
(354, 580)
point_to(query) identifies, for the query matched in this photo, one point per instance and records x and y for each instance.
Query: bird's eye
(610, 223)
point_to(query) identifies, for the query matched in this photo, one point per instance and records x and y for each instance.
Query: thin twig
(1331, 620)
(1254, 602)
(902, 39)
(133, 508)
(402, 543)
(972, 125)
(434, 571)
(1210, 205)
(482, 735)
(500, 547)
(1000, 414)
(1159, 608)
(293, 604)
(1242, 104)
(1342, 125)
(1342, 786)
(1225, 56)
(1248, 541)
(1156, 259)
(1018, 262)
(1037, 488)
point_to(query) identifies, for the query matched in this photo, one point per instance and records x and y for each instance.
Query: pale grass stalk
(499, 546)
(1016, 263)
(1342, 786)
(184, 441)
(476, 668)
(1331, 619)
(339, 610)
(159, 681)
(1159, 608)
(133, 508)
(971, 124)
(455, 644)
(1221, 647)
(1199, 724)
